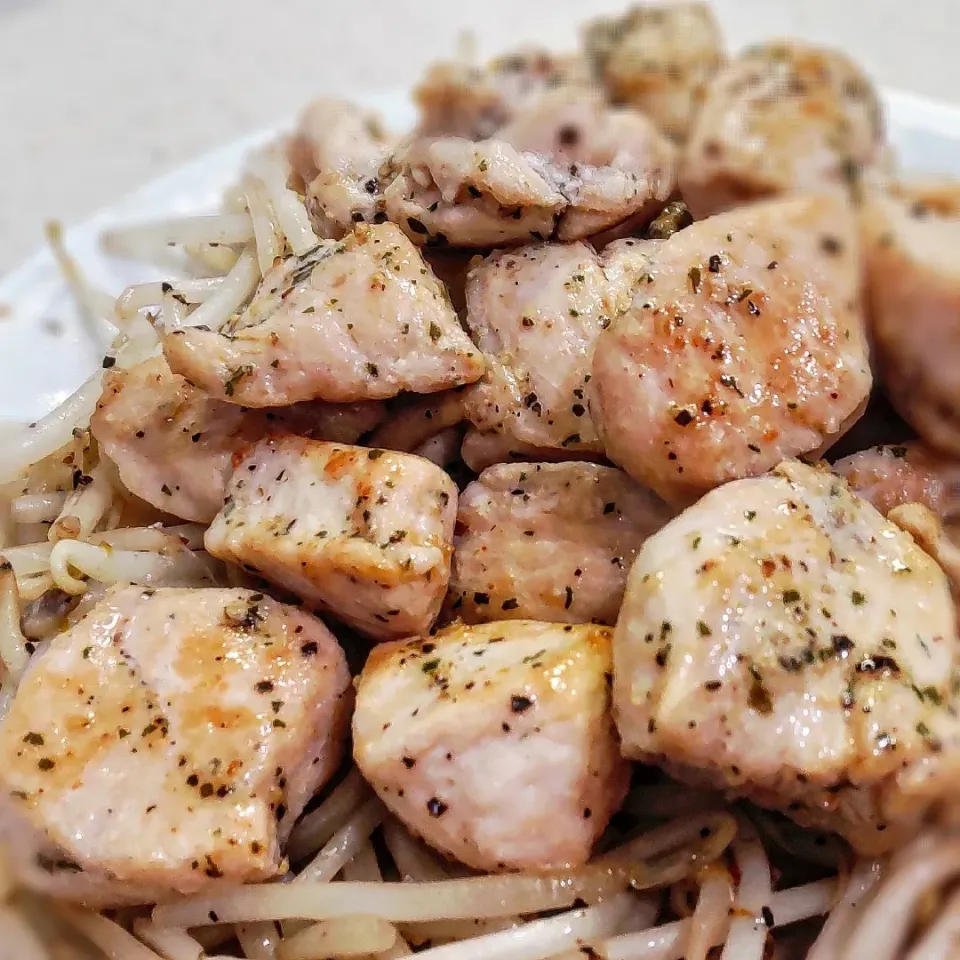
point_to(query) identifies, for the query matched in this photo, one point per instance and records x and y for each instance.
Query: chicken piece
(890, 476)
(548, 541)
(337, 151)
(453, 191)
(523, 306)
(174, 446)
(783, 641)
(361, 319)
(363, 533)
(745, 347)
(568, 167)
(495, 743)
(879, 426)
(172, 737)
(658, 59)
(460, 100)
(913, 292)
(782, 118)
(612, 165)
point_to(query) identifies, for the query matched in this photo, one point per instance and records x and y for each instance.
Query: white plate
(46, 353)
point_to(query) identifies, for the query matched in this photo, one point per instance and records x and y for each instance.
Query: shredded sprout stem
(289, 210)
(37, 507)
(96, 307)
(539, 938)
(138, 240)
(167, 941)
(49, 434)
(474, 897)
(317, 827)
(259, 941)
(110, 937)
(237, 287)
(344, 844)
(345, 937)
(143, 295)
(748, 931)
(13, 649)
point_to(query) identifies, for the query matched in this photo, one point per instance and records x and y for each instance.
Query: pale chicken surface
(658, 59)
(891, 475)
(782, 118)
(549, 541)
(357, 319)
(611, 164)
(174, 446)
(171, 737)
(453, 191)
(783, 641)
(544, 301)
(495, 743)
(913, 294)
(459, 99)
(568, 167)
(337, 151)
(363, 533)
(746, 346)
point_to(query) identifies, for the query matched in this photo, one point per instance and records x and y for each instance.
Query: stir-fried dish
(528, 535)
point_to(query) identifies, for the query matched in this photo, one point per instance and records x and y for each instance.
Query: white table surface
(98, 96)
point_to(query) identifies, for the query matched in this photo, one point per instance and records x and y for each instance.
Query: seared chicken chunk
(495, 743)
(450, 190)
(359, 319)
(783, 641)
(893, 475)
(172, 737)
(781, 118)
(524, 306)
(569, 167)
(658, 58)
(745, 347)
(612, 165)
(460, 100)
(363, 533)
(549, 541)
(337, 151)
(174, 446)
(913, 289)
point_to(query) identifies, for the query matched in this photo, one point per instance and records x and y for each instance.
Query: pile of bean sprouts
(679, 873)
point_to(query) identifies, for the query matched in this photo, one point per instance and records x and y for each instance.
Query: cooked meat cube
(745, 347)
(549, 541)
(468, 737)
(363, 533)
(174, 445)
(612, 165)
(906, 473)
(569, 167)
(452, 191)
(337, 151)
(782, 118)
(913, 293)
(359, 319)
(171, 737)
(457, 99)
(783, 641)
(658, 59)
(523, 307)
